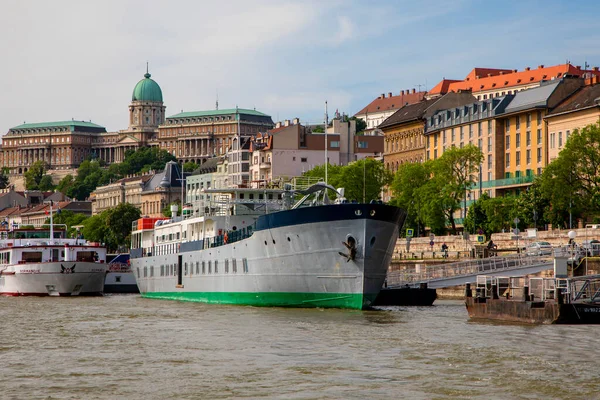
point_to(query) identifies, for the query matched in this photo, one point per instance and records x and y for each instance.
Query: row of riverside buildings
(519, 119)
(244, 145)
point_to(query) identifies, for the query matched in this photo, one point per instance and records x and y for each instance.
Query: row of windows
(528, 117)
(527, 139)
(198, 120)
(528, 157)
(201, 268)
(554, 137)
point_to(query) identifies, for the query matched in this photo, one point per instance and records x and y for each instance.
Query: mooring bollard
(468, 291)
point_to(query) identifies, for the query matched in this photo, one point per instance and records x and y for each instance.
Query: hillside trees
(36, 177)
(434, 191)
(362, 180)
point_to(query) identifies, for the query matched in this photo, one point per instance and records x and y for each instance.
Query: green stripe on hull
(268, 299)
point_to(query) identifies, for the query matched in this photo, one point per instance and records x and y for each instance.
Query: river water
(126, 347)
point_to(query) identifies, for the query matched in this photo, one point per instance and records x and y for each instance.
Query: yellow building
(577, 111)
(404, 131)
(525, 133)
(474, 124)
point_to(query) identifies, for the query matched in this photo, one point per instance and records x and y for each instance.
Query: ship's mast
(326, 157)
(51, 224)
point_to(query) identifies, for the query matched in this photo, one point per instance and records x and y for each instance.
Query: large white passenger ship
(43, 262)
(255, 247)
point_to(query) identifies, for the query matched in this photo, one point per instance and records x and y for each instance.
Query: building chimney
(594, 68)
(491, 74)
(383, 95)
(476, 76)
(514, 70)
(540, 66)
(501, 73)
(414, 90)
(286, 122)
(578, 67)
(390, 94)
(296, 121)
(527, 69)
(278, 124)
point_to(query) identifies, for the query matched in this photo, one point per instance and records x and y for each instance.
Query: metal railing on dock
(471, 267)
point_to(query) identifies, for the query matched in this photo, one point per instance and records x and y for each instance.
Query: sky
(63, 59)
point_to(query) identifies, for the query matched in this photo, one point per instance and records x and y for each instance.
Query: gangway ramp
(459, 273)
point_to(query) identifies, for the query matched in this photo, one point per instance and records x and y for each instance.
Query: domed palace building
(189, 136)
(65, 144)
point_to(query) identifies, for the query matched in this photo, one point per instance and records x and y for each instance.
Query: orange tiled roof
(385, 103)
(508, 78)
(477, 73)
(442, 87)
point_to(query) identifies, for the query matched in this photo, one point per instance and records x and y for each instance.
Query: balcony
(516, 181)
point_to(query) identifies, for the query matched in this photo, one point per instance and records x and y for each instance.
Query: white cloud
(345, 30)
(65, 59)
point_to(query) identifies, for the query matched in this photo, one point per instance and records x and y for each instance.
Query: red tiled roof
(442, 87)
(508, 79)
(12, 210)
(477, 73)
(386, 103)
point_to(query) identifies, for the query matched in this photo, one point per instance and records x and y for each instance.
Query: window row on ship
(200, 268)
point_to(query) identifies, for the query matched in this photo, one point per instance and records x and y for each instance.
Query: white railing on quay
(464, 268)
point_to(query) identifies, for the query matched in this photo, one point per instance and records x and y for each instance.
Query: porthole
(372, 241)
(273, 241)
(358, 212)
(265, 242)
(372, 213)
(289, 240)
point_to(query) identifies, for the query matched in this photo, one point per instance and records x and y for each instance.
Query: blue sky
(72, 59)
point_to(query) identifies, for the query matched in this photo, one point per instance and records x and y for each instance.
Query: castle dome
(147, 90)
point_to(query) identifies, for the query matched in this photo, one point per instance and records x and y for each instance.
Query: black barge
(536, 300)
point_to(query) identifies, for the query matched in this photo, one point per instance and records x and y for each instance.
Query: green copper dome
(147, 90)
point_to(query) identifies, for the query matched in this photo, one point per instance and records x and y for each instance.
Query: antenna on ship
(51, 224)
(326, 158)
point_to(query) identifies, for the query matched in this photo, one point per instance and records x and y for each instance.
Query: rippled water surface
(121, 347)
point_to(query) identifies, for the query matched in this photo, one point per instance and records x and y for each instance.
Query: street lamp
(572, 235)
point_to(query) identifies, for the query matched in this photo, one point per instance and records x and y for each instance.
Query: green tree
(189, 166)
(46, 183)
(364, 180)
(408, 190)
(95, 228)
(318, 129)
(4, 181)
(571, 183)
(498, 213)
(145, 159)
(333, 174)
(34, 175)
(69, 218)
(454, 172)
(65, 184)
(477, 220)
(361, 125)
(119, 220)
(167, 210)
